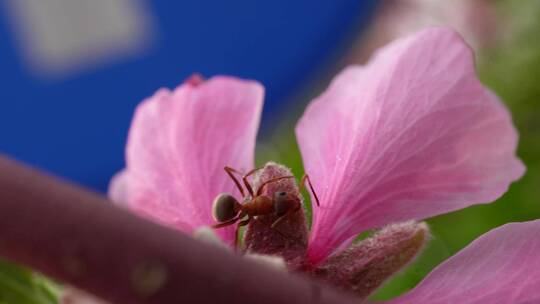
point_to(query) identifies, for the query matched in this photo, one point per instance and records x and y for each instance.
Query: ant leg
(277, 222)
(230, 172)
(259, 191)
(225, 224)
(242, 223)
(229, 222)
(281, 218)
(303, 185)
(246, 183)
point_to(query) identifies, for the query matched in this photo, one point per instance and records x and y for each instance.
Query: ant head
(283, 201)
(225, 207)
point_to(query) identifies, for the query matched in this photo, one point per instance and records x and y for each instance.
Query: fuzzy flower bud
(362, 268)
(289, 238)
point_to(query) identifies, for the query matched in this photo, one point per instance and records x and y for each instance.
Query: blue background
(77, 127)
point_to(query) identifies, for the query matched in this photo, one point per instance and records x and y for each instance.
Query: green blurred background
(505, 35)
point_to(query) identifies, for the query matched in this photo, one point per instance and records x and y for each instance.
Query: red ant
(227, 210)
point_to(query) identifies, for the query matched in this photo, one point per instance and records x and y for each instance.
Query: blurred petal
(411, 135)
(179, 143)
(502, 266)
(208, 235)
(118, 188)
(273, 261)
(72, 295)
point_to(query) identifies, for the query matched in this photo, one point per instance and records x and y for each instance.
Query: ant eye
(224, 207)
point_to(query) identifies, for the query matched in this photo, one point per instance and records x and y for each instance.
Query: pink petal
(118, 188)
(411, 135)
(179, 143)
(502, 266)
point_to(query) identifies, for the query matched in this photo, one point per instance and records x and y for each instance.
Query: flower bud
(363, 267)
(288, 239)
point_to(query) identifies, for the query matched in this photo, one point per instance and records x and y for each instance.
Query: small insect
(227, 210)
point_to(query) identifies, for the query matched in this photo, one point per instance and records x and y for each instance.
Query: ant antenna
(303, 184)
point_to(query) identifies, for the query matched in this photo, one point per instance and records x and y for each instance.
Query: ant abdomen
(225, 207)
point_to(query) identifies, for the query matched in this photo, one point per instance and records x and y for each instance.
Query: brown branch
(78, 237)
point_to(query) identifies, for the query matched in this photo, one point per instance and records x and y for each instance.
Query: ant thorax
(289, 239)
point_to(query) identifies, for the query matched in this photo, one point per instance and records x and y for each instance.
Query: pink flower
(411, 135)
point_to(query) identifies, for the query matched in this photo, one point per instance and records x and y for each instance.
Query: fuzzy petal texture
(178, 145)
(500, 267)
(411, 135)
